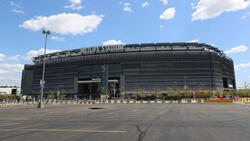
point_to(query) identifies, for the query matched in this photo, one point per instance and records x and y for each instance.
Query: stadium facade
(132, 67)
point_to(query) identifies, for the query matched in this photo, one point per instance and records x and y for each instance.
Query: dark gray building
(132, 67)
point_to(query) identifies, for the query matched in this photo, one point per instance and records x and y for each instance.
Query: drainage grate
(96, 108)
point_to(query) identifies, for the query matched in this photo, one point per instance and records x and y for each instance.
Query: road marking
(66, 130)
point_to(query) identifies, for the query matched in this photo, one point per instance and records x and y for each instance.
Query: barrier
(193, 101)
(137, 102)
(238, 101)
(218, 101)
(159, 101)
(152, 101)
(183, 101)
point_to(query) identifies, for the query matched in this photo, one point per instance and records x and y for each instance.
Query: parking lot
(133, 122)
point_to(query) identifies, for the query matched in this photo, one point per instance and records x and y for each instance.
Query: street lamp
(185, 87)
(42, 82)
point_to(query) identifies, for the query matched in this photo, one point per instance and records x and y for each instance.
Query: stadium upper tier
(130, 48)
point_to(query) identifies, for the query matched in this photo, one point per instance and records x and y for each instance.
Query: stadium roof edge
(161, 44)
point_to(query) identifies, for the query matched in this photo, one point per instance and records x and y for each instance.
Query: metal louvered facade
(135, 66)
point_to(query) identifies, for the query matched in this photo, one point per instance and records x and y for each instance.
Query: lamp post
(185, 87)
(42, 82)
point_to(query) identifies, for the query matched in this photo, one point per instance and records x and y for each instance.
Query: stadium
(119, 69)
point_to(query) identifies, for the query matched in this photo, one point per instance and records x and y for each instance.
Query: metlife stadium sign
(102, 49)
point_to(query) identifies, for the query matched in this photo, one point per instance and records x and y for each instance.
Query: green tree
(234, 93)
(170, 92)
(225, 93)
(189, 94)
(157, 93)
(179, 94)
(208, 93)
(51, 95)
(2, 96)
(139, 93)
(62, 94)
(11, 97)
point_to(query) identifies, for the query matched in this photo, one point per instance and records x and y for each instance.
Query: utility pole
(42, 82)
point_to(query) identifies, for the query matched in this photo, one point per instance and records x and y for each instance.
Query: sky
(74, 24)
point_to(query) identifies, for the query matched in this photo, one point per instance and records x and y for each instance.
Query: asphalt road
(126, 122)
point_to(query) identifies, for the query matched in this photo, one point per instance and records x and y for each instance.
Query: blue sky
(82, 23)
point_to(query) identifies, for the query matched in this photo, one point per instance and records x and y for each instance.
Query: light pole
(114, 89)
(41, 103)
(185, 77)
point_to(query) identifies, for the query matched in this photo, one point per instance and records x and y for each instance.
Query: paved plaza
(126, 122)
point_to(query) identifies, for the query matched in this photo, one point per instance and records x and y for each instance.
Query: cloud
(237, 49)
(164, 1)
(13, 58)
(7, 80)
(168, 14)
(34, 53)
(207, 9)
(112, 42)
(239, 66)
(10, 68)
(15, 5)
(194, 41)
(65, 23)
(245, 15)
(18, 11)
(126, 7)
(58, 39)
(145, 4)
(16, 8)
(74, 4)
(161, 26)
(4, 58)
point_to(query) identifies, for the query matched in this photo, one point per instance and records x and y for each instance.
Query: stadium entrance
(91, 89)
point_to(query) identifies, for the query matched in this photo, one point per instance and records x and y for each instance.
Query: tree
(62, 94)
(157, 93)
(225, 93)
(139, 93)
(170, 92)
(197, 93)
(248, 93)
(245, 87)
(178, 94)
(234, 93)
(160, 95)
(2, 96)
(217, 93)
(189, 93)
(51, 95)
(208, 93)
(11, 97)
